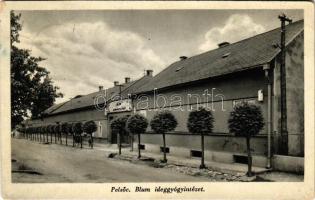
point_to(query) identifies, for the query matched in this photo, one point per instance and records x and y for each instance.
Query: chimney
(127, 79)
(223, 44)
(100, 88)
(183, 57)
(116, 83)
(149, 72)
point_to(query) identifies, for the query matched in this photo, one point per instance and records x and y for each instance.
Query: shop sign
(120, 106)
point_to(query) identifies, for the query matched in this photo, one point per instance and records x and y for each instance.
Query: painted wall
(226, 91)
(221, 143)
(80, 116)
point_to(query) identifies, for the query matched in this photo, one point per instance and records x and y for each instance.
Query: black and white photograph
(191, 96)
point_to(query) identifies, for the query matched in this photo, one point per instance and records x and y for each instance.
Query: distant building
(92, 107)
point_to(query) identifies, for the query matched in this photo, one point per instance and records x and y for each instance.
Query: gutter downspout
(266, 68)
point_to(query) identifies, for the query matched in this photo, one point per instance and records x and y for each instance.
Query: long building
(244, 71)
(83, 108)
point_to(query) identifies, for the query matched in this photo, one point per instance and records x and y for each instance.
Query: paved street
(60, 163)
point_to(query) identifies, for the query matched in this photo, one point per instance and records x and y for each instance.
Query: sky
(88, 49)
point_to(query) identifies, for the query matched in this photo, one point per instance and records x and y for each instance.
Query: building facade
(248, 70)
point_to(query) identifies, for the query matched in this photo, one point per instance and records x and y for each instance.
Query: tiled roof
(89, 99)
(53, 108)
(238, 56)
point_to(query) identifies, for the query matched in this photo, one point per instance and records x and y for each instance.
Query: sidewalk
(234, 169)
(180, 161)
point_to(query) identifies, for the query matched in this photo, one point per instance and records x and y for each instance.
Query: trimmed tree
(29, 132)
(201, 122)
(64, 129)
(58, 131)
(55, 131)
(246, 120)
(78, 130)
(37, 133)
(51, 131)
(118, 127)
(32, 133)
(137, 124)
(40, 133)
(70, 130)
(47, 133)
(161, 123)
(90, 127)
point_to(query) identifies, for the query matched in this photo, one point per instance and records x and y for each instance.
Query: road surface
(60, 163)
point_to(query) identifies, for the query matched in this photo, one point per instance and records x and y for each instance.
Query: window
(179, 68)
(240, 159)
(226, 55)
(194, 153)
(249, 101)
(167, 150)
(100, 129)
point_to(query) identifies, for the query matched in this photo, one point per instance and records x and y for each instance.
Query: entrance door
(114, 137)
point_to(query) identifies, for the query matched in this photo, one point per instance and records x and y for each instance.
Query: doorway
(125, 140)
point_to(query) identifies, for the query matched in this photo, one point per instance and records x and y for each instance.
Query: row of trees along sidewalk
(41, 133)
(245, 120)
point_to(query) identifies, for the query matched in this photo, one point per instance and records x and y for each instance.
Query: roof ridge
(254, 36)
(212, 50)
(134, 82)
(61, 104)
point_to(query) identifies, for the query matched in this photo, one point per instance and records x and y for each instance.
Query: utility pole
(283, 126)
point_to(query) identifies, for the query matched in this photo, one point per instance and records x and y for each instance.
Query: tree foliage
(50, 128)
(64, 127)
(32, 90)
(77, 128)
(118, 125)
(69, 128)
(137, 124)
(200, 121)
(57, 128)
(163, 122)
(89, 127)
(246, 120)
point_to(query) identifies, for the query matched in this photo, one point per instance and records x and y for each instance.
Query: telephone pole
(283, 126)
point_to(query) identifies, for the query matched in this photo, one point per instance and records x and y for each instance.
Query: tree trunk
(202, 166)
(40, 137)
(164, 149)
(72, 140)
(249, 172)
(131, 141)
(60, 138)
(81, 139)
(50, 137)
(55, 138)
(139, 143)
(66, 139)
(92, 141)
(119, 144)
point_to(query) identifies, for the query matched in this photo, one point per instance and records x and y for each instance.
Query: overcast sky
(85, 49)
